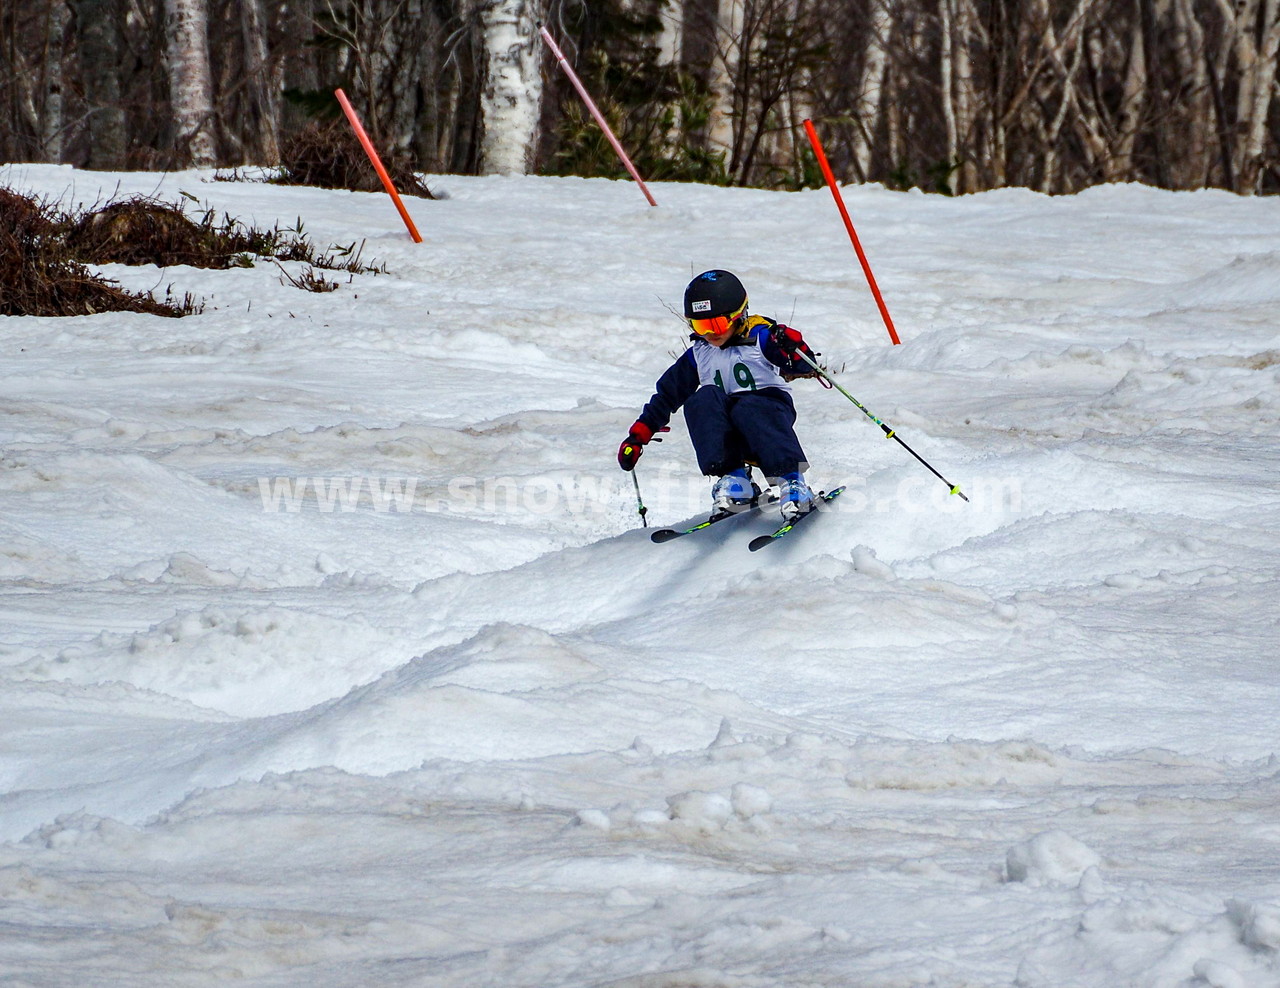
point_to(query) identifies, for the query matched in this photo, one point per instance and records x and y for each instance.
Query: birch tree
(767, 59)
(867, 104)
(190, 81)
(52, 124)
(728, 28)
(511, 103)
(1191, 54)
(1119, 160)
(1066, 56)
(958, 95)
(1256, 33)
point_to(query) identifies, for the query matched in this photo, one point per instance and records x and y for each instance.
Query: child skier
(734, 385)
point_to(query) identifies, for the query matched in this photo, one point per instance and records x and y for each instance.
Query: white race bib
(737, 368)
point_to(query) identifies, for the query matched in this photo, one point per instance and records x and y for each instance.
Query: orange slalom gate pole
(595, 113)
(377, 163)
(848, 224)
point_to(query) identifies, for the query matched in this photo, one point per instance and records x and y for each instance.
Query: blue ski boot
(733, 492)
(795, 496)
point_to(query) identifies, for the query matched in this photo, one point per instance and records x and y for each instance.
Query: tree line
(947, 95)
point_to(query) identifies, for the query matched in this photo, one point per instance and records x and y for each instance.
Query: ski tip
(759, 542)
(665, 535)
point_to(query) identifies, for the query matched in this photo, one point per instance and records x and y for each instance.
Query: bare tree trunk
(1240, 26)
(100, 43)
(1119, 164)
(671, 38)
(1256, 86)
(24, 96)
(1087, 120)
(1003, 40)
(1068, 106)
(1051, 179)
(53, 126)
(511, 103)
(895, 126)
(190, 81)
(300, 65)
(795, 110)
(957, 91)
(966, 96)
(264, 81)
(751, 71)
(947, 69)
(408, 53)
(1189, 46)
(726, 111)
(869, 99)
(699, 50)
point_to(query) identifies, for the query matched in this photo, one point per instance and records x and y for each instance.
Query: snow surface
(468, 726)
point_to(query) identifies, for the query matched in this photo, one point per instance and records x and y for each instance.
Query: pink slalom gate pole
(595, 113)
(848, 225)
(367, 144)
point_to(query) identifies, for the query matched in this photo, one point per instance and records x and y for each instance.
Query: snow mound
(1054, 857)
(250, 662)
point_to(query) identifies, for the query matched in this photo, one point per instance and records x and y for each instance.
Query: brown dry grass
(41, 276)
(143, 231)
(44, 253)
(329, 156)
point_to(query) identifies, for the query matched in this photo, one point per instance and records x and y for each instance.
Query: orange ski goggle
(716, 325)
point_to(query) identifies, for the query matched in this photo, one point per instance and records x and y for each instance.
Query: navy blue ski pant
(727, 430)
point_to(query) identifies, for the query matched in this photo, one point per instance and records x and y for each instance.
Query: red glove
(792, 345)
(790, 341)
(631, 448)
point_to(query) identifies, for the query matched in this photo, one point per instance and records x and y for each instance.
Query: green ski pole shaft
(888, 432)
(640, 508)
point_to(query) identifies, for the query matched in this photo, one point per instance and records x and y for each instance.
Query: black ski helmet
(714, 293)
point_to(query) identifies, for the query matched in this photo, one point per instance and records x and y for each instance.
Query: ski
(759, 542)
(667, 534)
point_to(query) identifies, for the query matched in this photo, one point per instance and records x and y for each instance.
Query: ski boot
(734, 492)
(795, 496)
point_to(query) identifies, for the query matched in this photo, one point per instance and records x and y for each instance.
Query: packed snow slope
(333, 653)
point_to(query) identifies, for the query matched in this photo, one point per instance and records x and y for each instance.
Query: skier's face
(717, 330)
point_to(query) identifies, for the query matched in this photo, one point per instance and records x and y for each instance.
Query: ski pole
(640, 508)
(888, 432)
